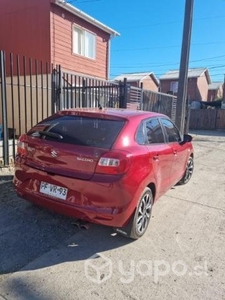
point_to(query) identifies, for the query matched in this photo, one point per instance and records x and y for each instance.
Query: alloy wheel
(144, 213)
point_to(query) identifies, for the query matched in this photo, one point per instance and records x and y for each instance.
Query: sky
(151, 34)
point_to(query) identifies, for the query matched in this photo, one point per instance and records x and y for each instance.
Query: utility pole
(184, 61)
(223, 96)
(224, 89)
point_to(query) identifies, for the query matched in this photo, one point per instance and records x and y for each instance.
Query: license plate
(53, 190)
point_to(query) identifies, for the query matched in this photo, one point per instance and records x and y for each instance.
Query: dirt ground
(182, 255)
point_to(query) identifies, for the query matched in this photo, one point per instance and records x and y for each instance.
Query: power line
(171, 22)
(212, 69)
(169, 64)
(215, 67)
(161, 47)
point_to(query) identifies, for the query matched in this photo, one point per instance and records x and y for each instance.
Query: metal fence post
(141, 97)
(123, 94)
(59, 89)
(53, 96)
(4, 109)
(56, 89)
(84, 98)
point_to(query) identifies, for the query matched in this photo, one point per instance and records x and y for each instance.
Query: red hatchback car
(104, 166)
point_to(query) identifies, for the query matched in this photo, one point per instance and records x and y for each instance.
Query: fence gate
(78, 91)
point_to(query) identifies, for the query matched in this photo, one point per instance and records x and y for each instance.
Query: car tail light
(22, 146)
(114, 163)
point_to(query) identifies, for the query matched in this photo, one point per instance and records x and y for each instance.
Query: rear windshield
(79, 130)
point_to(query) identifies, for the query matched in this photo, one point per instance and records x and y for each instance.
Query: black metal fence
(31, 90)
(25, 99)
(78, 91)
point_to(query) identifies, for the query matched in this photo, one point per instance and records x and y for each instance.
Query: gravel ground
(44, 256)
(27, 231)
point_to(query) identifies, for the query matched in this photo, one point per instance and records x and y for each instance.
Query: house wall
(134, 83)
(165, 85)
(25, 28)
(203, 86)
(61, 45)
(215, 94)
(193, 92)
(212, 95)
(220, 92)
(197, 88)
(149, 84)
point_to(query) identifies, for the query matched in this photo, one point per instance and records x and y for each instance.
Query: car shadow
(29, 233)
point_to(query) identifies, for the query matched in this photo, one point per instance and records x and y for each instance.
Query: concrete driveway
(182, 255)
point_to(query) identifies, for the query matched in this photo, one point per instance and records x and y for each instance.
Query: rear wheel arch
(129, 229)
(153, 189)
(188, 171)
(142, 215)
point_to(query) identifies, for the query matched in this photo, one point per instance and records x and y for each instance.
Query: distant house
(198, 83)
(215, 91)
(56, 32)
(147, 79)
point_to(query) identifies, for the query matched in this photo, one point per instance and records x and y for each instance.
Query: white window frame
(174, 86)
(83, 48)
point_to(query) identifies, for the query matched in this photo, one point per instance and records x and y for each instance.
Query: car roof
(111, 112)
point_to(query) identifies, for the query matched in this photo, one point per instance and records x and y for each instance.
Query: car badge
(54, 153)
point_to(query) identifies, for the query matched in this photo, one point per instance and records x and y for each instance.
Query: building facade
(56, 32)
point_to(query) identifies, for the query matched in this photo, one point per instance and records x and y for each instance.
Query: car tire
(188, 172)
(142, 214)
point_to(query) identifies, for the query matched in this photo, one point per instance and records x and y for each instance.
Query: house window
(84, 42)
(174, 86)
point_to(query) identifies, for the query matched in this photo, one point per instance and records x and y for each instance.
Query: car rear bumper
(102, 200)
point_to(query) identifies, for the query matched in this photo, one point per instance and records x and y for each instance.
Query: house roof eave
(143, 76)
(154, 78)
(63, 4)
(207, 76)
(174, 75)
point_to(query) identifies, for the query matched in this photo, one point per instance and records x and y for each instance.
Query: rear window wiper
(47, 133)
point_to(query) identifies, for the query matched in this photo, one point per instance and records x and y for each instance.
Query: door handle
(156, 157)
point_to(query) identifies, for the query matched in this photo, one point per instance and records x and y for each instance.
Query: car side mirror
(186, 139)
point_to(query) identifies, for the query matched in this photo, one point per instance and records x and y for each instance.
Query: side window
(140, 136)
(154, 132)
(171, 131)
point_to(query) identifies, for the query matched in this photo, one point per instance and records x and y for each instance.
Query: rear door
(180, 150)
(70, 145)
(161, 154)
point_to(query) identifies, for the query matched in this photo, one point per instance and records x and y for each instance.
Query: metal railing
(31, 90)
(25, 99)
(79, 91)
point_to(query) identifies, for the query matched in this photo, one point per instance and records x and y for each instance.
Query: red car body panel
(108, 199)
